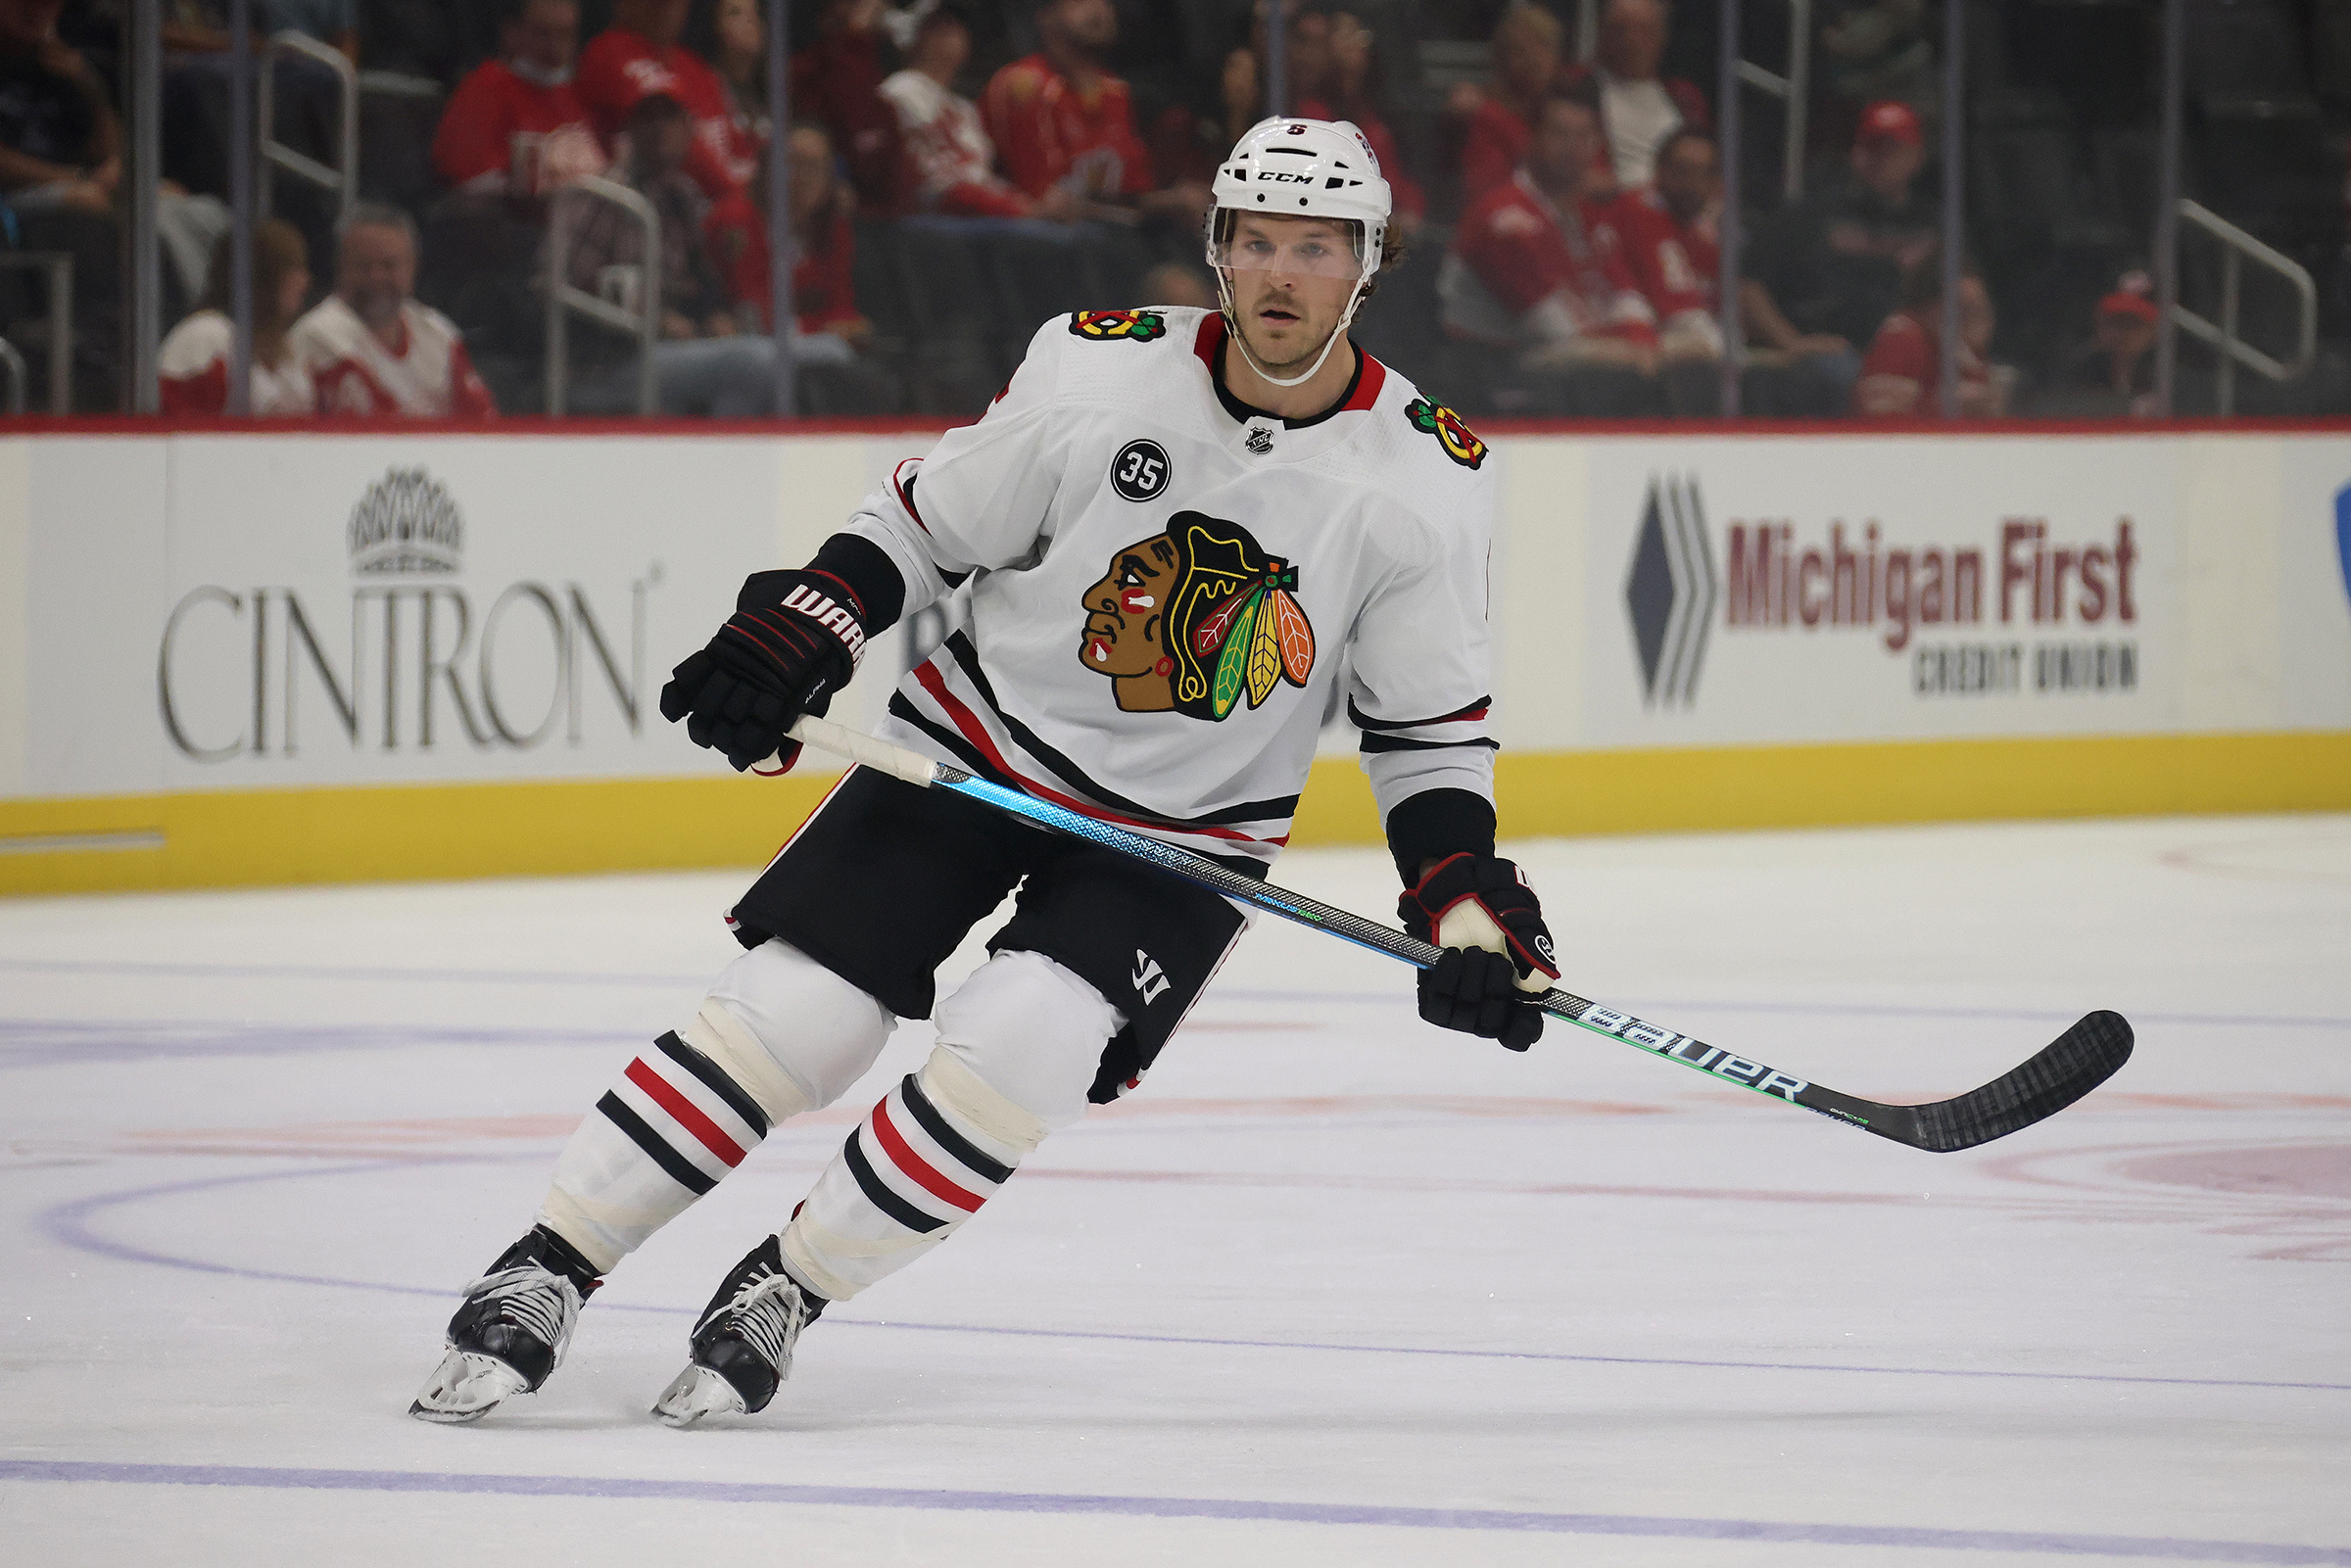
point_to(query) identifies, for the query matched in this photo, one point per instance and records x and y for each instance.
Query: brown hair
(278, 249)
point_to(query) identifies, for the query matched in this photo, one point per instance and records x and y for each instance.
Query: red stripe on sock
(901, 1154)
(685, 1113)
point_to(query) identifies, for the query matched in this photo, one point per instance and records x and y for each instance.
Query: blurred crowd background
(959, 170)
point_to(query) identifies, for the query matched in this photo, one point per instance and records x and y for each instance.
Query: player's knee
(790, 1030)
(1031, 1032)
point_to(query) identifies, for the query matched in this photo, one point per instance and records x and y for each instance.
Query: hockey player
(1178, 529)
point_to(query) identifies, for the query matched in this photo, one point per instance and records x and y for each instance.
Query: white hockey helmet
(1294, 167)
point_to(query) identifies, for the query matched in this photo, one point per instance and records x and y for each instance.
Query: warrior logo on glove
(1195, 619)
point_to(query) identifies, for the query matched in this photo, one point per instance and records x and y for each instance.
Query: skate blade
(693, 1393)
(465, 1387)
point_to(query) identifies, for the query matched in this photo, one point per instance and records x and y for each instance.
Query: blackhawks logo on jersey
(1459, 442)
(1136, 326)
(1194, 620)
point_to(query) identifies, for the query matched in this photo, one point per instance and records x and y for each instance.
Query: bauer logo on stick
(1103, 326)
(1195, 619)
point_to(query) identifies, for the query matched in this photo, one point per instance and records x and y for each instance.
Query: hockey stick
(2061, 1072)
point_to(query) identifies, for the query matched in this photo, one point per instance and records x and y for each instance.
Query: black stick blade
(2066, 1069)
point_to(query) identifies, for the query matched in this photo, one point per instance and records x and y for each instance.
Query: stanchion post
(2167, 208)
(1954, 196)
(779, 202)
(1734, 336)
(242, 142)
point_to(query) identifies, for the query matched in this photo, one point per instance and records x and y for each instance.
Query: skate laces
(767, 1314)
(533, 1298)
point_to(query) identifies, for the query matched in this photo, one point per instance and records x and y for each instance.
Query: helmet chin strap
(1233, 315)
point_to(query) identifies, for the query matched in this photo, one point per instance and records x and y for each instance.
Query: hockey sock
(923, 1160)
(669, 1129)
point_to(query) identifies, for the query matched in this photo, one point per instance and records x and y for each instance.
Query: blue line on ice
(2159, 1548)
(69, 1224)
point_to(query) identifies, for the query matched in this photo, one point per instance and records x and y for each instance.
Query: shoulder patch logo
(1102, 326)
(1459, 442)
(1194, 619)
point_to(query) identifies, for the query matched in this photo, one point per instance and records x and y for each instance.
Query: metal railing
(1795, 90)
(60, 267)
(2236, 245)
(564, 300)
(343, 180)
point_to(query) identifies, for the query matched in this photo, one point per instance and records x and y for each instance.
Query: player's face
(1126, 612)
(1291, 281)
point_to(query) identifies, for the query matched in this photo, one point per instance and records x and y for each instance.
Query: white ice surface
(1335, 1287)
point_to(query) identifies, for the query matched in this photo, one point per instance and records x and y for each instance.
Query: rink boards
(290, 656)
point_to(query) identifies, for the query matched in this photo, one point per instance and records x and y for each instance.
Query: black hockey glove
(1480, 910)
(795, 639)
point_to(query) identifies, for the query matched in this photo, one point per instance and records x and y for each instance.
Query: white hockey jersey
(1166, 587)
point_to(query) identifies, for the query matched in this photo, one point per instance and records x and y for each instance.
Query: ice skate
(743, 1346)
(511, 1333)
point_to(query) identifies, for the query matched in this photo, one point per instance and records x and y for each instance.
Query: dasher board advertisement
(1879, 588)
(373, 610)
(2314, 571)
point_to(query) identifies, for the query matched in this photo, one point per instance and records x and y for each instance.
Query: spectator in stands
(955, 162)
(370, 348)
(702, 364)
(1187, 146)
(59, 141)
(638, 56)
(1500, 116)
(1536, 270)
(193, 364)
(514, 127)
(732, 35)
(1669, 236)
(335, 23)
(1178, 283)
(1060, 119)
(1872, 50)
(1638, 109)
(1903, 376)
(59, 172)
(1667, 232)
(2114, 373)
(832, 373)
(1330, 69)
(1824, 272)
(836, 82)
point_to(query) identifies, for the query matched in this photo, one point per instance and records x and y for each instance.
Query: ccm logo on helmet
(1281, 178)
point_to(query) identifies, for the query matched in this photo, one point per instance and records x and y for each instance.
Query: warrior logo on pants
(1192, 619)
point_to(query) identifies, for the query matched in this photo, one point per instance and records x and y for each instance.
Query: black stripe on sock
(889, 1202)
(681, 1169)
(714, 1078)
(927, 1116)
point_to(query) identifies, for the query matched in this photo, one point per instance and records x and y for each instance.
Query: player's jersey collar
(1362, 389)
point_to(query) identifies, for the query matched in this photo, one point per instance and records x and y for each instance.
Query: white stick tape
(858, 748)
